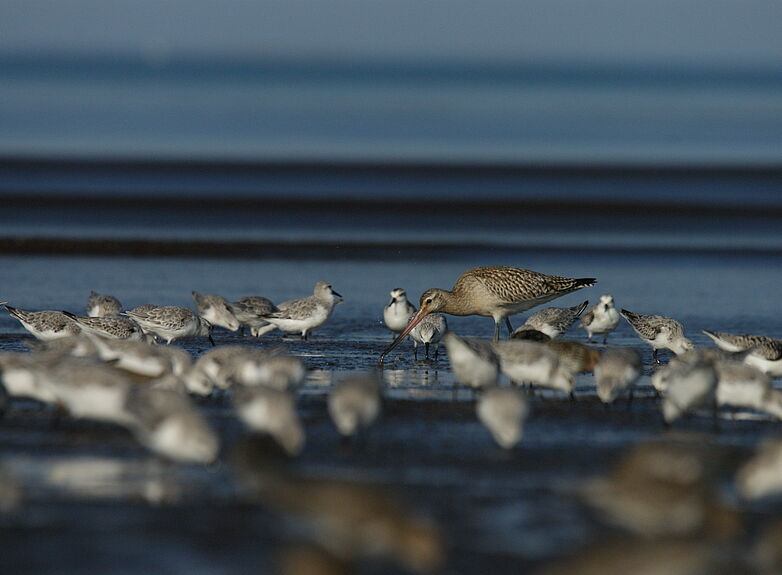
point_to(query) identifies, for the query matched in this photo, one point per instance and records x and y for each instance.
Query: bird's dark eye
(428, 300)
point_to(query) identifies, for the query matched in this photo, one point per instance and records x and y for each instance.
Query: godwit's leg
(496, 337)
(509, 326)
(426, 349)
(654, 356)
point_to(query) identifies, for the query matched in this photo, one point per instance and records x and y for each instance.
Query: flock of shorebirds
(109, 366)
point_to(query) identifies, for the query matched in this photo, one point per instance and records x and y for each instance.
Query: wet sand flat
(95, 500)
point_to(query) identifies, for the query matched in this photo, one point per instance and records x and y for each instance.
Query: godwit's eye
(428, 300)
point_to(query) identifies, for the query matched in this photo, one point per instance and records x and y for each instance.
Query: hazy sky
(712, 32)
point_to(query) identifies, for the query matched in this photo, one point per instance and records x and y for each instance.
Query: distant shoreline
(343, 167)
(374, 250)
(474, 187)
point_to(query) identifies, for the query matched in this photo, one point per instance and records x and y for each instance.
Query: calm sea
(406, 111)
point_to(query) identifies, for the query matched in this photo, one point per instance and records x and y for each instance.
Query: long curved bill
(414, 321)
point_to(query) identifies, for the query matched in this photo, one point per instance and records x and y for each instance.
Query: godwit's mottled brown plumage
(493, 291)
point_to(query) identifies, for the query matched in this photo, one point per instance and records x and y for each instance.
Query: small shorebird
(215, 309)
(143, 308)
(352, 520)
(622, 555)
(530, 334)
(76, 345)
(310, 559)
(503, 410)
(235, 364)
(171, 322)
(398, 312)
(690, 387)
(617, 370)
(109, 327)
(430, 330)
(45, 325)
(661, 376)
(473, 361)
(574, 356)
(762, 474)
(533, 363)
(765, 354)
(272, 368)
(554, 321)
(250, 311)
(270, 411)
(305, 314)
(169, 424)
(601, 319)
(99, 305)
(11, 491)
(495, 291)
(20, 374)
(662, 489)
(739, 385)
(220, 364)
(659, 331)
(89, 389)
(354, 403)
(134, 356)
(744, 386)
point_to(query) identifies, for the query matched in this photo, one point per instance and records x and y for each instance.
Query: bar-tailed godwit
(494, 291)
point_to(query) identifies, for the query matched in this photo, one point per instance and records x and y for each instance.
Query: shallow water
(98, 502)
